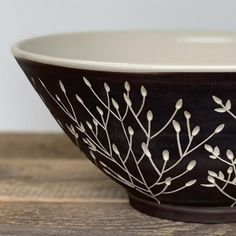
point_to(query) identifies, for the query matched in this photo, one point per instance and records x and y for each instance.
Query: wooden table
(47, 187)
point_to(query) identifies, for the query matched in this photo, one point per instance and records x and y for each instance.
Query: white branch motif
(106, 153)
(220, 180)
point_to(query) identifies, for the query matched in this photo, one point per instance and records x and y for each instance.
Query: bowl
(155, 111)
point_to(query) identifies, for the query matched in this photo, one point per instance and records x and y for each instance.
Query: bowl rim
(97, 65)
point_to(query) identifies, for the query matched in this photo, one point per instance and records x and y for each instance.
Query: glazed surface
(137, 51)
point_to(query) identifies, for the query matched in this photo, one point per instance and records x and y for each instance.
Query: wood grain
(47, 187)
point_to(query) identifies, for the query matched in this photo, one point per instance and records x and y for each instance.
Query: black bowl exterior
(168, 138)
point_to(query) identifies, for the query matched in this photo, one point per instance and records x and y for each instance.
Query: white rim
(18, 52)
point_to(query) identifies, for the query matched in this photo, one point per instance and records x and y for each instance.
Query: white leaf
(179, 104)
(228, 105)
(208, 148)
(130, 130)
(208, 185)
(166, 155)
(213, 157)
(62, 86)
(234, 181)
(149, 116)
(143, 91)
(190, 183)
(115, 104)
(99, 110)
(191, 165)
(168, 181)
(176, 126)
(219, 128)
(115, 149)
(230, 154)
(146, 150)
(187, 115)
(217, 100)
(230, 170)
(107, 88)
(216, 151)
(221, 175)
(127, 86)
(220, 110)
(87, 82)
(211, 179)
(212, 173)
(195, 131)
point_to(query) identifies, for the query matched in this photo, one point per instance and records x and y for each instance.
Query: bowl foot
(192, 214)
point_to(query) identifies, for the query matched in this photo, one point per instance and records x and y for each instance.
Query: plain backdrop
(20, 108)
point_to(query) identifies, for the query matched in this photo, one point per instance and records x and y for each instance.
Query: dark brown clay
(163, 91)
(167, 137)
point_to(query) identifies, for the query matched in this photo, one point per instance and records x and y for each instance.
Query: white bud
(92, 155)
(208, 148)
(81, 128)
(216, 151)
(146, 150)
(230, 154)
(190, 183)
(115, 149)
(79, 99)
(99, 110)
(219, 128)
(187, 115)
(176, 126)
(179, 104)
(143, 91)
(217, 100)
(107, 88)
(168, 181)
(230, 170)
(95, 122)
(127, 100)
(211, 179)
(130, 130)
(212, 173)
(127, 86)
(115, 104)
(62, 86)
(149, 116)
(87, 82)
(58, 98)
(195, 131)
(89, 125)
(221, 175)
(166, 155)
(228, 105)
(191, 165)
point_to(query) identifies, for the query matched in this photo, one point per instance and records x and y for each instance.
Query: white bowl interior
(144, 51)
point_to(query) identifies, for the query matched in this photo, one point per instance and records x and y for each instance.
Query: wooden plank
(94, 219)
(47, 187)
(20, 145)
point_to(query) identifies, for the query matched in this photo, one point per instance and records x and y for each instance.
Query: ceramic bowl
(155, 111)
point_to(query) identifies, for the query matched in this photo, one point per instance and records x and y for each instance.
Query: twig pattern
(222, 181)
(106, 153)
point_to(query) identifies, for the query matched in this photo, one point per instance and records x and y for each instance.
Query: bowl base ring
(192, 214)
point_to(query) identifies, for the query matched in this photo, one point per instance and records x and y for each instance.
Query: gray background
(20, 109)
